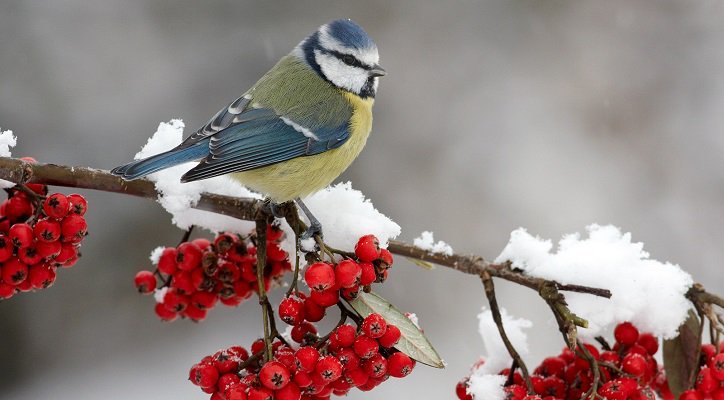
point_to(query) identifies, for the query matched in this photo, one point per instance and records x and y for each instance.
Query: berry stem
(490, 294)
(187, 235)
(260, 265)
(592, 393)
(295, 280)
(343, 313)
(602, 341)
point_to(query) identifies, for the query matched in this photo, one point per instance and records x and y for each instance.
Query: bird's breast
(302, 176)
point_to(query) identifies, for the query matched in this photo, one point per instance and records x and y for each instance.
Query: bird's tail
(168, 159)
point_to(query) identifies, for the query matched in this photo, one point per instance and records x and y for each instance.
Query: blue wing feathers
(256, 138)
(141, 168)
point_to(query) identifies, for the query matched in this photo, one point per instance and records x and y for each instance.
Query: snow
(159, 294)
(415, 320)
(344, 212)
(179, 198)
(427, 242)
(497, 357)
(647, 292)
(486, 386)
(7, 140)
(156, 254)
(346, 215)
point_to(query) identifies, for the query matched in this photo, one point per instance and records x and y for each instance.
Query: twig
(592, 393)
(260, 266)
(567, 321)
(342, 319)
(187, 235)
(604, 344)
(490, 294)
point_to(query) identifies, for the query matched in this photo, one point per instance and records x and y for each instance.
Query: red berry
(515, 392)
(299, 331)
(204, 300)
(260, 393)
(691, 394)
(551, 366)
(78, 204)
(41, 276)
(367, 248)
(614, 390)
(399, 365)
(329, 368)
(716, 364)
(6, 291)
(73, 228)
(306, 358)
(649, 342)
(705, 381)
(274, 252)
(350, 294)
(374, 326)
(56, 206)
(29, 255)
(391, 337)
(291, 310)
(326, 298)
(164, 313)
(348, 358)
(347, 273)
(17, 208)
(626, 334)
(21, 235)
(634, 364)
(375, 366)
(6, 248)
(461, 390)
(14, 272)
(274, 375)
(167, 261)
(203, 375)
(223, 242)
(319, 276)
(365, 346)
(368, 275)
(385, 259)
(47, 230)
(182, 282)
(188, 256)
(68, 252)
(313, 312)
(175, 301)
(145, 282)
(194, 313)
(288, 392)
(227, 381)
(343, 336)
(48, 250)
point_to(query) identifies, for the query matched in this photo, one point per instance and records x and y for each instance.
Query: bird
(294, 131)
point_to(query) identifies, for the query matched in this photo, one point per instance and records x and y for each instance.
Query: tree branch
(19, 171)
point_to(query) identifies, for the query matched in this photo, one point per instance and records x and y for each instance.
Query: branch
(19, 171)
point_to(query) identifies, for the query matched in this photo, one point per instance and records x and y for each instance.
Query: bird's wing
(261, 137)
(222, 120)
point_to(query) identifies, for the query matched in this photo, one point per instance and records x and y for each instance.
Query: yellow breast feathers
(302, 176)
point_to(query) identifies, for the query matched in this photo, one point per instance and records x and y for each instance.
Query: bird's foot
(315, 229)
(273, 208)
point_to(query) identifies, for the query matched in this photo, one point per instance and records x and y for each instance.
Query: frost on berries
(39, 233)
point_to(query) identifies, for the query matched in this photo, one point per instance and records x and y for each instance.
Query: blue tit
(296, 130)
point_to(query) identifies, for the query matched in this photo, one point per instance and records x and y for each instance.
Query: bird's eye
(349, 60)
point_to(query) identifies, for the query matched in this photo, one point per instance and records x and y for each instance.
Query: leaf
(412, 341)
(420, 263)
(681, 355)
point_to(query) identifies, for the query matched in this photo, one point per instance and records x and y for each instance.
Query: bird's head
(342, 53)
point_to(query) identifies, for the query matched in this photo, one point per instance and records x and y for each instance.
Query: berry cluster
(38, 234)
(349, 357)
(628, 371)
(195, 275)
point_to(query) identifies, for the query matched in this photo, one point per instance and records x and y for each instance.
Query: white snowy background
(494, 115)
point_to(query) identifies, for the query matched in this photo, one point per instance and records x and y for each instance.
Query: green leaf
(681, 355)
(421, 264)
(412, 341)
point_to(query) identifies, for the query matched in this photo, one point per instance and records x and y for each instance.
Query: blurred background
(548, 115)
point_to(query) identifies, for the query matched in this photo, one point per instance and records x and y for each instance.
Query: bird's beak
(377, 71)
